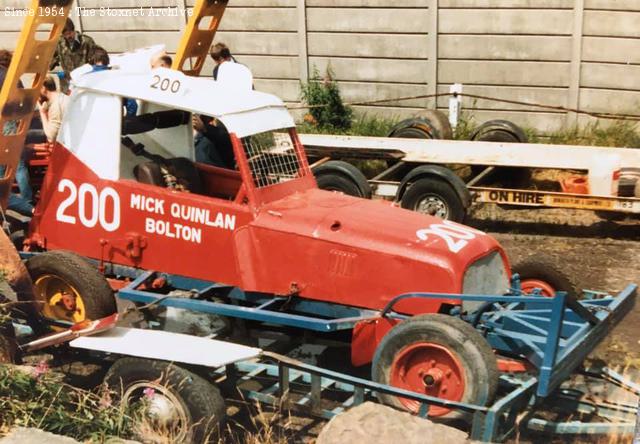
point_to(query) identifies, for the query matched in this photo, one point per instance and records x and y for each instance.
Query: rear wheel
(179, 405)
(543, 274)
(436, 355)
(67, 288)
(434, 197)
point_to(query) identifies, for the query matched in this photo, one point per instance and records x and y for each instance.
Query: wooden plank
(603, 75)
(547, 96)
(368, 45)
(497, 47)
(260, 19)
(612, 23)
(611, 50)
(504, 73)
(256, 43)
(392, 20)
(505, 21)
(479, 153)
(373, 70)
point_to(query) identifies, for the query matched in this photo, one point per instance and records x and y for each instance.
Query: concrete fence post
(432, 53)
(576, 61)
(303, 56)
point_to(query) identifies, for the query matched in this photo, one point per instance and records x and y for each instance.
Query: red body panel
(317, 244)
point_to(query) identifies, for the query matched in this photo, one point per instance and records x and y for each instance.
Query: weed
(39, 399)
(327, 110)
(617, 134)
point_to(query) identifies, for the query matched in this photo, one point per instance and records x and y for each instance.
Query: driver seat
(183, 169)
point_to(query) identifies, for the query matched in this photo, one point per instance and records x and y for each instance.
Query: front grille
(487, 275)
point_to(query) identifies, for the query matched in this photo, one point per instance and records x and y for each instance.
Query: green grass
(362, 125)
(40, 399)
(600, 133)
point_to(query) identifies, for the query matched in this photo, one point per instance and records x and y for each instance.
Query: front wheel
(177, 404)
(436, 355)
(544, 275)
(434, 197)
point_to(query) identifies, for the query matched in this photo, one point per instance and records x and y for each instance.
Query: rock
(375, 423)
(22, 435)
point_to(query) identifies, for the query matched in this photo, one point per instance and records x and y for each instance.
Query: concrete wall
(576, 53)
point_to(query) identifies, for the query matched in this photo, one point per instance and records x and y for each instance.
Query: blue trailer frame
(553, 334)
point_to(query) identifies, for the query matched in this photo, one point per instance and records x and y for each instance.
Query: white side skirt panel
(174, 347)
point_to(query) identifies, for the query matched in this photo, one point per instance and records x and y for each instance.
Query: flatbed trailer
(411, 160)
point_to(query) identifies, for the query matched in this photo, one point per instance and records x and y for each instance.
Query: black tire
(543, 269)
(503, 131)
(349, 172)
(333, 181)
(477, 362)
(414, 129)
(56, 270)
(445, 202)
(439, 121)
(499, 131)
(199, 404)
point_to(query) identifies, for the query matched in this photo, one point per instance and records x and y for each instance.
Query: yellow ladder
(32, 56)
(198, 36)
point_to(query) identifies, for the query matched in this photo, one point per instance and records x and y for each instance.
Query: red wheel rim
(528, 285)
(429, 369)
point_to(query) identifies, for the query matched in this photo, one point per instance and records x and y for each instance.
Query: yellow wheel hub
(59, 299)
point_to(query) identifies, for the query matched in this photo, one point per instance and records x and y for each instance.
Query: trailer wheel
(503, 131)
(544, 274)
(338, 175)
(435, 197)
(174, 400)
(436, 355)
(68, 288)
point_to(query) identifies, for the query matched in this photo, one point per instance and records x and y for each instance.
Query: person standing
(52, 108)
(73, 50)
(22, 202)
(228, 71)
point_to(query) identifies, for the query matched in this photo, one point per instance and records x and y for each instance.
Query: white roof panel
(243, 112)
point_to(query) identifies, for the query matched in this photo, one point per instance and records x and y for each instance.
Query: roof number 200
(455, 236)
(165, 84)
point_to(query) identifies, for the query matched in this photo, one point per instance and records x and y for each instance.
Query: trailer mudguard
(438, 172)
